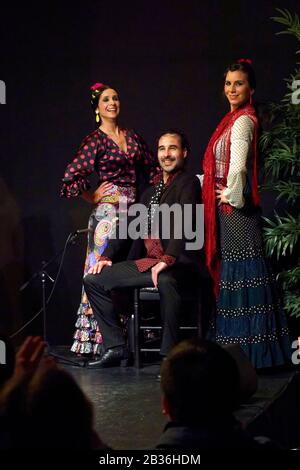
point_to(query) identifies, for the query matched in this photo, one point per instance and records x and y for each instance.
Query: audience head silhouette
(200, 383)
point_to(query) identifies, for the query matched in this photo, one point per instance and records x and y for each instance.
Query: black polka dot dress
(100, 154)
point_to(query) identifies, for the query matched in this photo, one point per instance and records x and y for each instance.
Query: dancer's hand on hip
(101, 191)
(220, 196)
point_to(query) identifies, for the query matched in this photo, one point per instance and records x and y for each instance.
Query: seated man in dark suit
(164, 259)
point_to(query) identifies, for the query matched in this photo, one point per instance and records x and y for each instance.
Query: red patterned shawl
(208, 190)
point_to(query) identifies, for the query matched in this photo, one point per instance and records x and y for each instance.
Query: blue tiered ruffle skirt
(249, 312)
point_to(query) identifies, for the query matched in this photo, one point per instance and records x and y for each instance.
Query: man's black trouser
(98, 288)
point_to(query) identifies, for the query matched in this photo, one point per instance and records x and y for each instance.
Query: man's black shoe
(112, 357)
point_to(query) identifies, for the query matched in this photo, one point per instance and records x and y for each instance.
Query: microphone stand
(43, 275)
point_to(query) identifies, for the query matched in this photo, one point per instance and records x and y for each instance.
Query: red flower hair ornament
(96, 85)
(248, 61)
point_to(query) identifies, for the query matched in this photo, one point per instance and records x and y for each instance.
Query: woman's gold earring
(97, 116)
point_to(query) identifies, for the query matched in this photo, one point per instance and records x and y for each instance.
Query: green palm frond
(291, 21)
(290, 277)
(284, 158)
(281, 235)
(292, 303)
(289, 190)
(280, 146)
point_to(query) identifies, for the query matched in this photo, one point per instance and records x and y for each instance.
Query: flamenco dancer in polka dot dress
(248, 309)
(118, 156)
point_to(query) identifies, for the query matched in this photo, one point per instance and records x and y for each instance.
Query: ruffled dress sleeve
(241, 138)
(75, 180)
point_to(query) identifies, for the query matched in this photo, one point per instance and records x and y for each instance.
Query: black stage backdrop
(165, 57)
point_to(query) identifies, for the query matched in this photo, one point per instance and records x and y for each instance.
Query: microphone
(83, 230)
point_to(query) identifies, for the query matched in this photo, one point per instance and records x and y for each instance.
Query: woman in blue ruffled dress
(248, 308)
